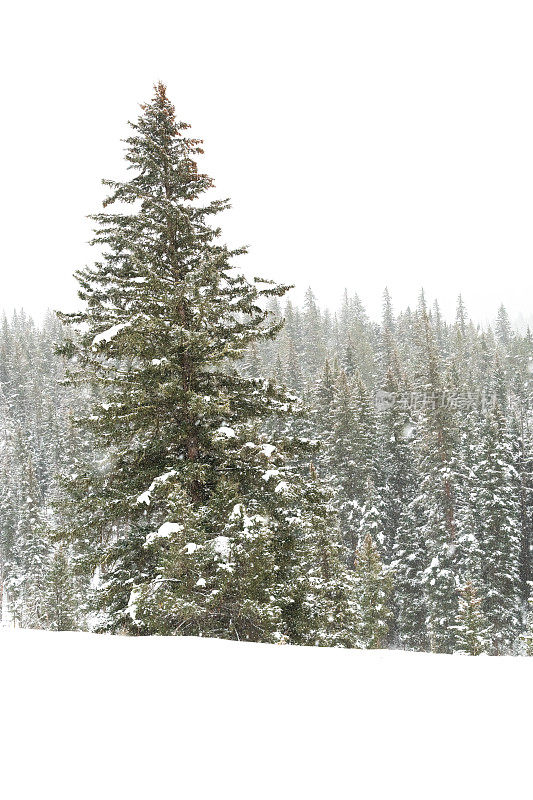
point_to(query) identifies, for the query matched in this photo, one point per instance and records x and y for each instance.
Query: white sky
(363, 144)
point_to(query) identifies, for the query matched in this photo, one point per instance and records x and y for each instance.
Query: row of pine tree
(427, 442)
(189, 454)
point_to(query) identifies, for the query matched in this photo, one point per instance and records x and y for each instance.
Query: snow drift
(86, 716)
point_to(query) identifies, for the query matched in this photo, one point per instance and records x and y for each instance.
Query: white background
(363, 144)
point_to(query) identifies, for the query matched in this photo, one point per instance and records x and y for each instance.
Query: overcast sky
(363, 144)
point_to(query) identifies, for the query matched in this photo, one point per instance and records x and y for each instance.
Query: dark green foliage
(199, 523)
(62, 602)
(373, 586)
(471, 630)
(498, 509)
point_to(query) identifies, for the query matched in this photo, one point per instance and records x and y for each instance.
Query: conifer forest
(190, 452)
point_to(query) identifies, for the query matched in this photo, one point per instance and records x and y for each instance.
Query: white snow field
(87, 716)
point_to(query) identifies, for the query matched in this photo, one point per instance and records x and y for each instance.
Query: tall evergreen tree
(496, 498)
(199, 523)
(61, 600)
(441, 495)
(472, 631)
(373, 584)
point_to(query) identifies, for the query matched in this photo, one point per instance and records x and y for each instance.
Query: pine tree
(342, 458)
(396, 431)
(402, 517)
(504, 331)
(61, 602)
(26, 567)
(294, 380)
(366, 443)
(527, 636)
(312, 334)
(199, 523)
(472, 632)
(389, 352)
(373, 584)
(409, 560)
(461, 347)
(372, 517)
(355, 339)
(441, 496)
(496, 499)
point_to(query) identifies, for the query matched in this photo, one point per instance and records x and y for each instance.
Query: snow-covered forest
(192, 453)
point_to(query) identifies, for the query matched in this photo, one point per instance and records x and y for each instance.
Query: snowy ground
(85, 716)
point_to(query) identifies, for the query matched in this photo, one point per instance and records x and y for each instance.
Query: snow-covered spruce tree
(373, 585)
(527, 636)
(398, 479)
(8, 494)
(341, 456)
(498, 512)
(440, 491)
(471, 629)
(26, 567)
(322, 399)
(373, 579)
(521, 440)
(388, 347)
(367, 450)
(352, 452)
(372, 515)
(355, 339)
(197, 522)
(61, 601)
(409, 558)
(402, 519)
(312, 335)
